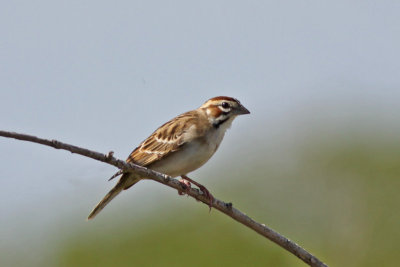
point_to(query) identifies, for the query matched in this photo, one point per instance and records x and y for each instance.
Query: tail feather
(123, 183)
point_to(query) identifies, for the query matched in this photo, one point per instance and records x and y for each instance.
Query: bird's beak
(241, 110)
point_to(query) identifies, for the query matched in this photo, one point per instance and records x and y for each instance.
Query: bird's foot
(203, 189)
(186, 185)
(208, 195)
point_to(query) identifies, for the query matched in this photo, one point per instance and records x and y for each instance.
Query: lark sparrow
(181, 145)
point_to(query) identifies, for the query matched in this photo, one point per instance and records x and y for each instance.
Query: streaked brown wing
(165, 140)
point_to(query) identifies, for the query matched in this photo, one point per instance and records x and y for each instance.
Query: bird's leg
(186, 185)
(202, 188)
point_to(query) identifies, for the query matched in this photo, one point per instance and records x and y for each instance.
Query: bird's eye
(225, 105)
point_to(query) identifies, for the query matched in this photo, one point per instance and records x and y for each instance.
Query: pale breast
(191, 157)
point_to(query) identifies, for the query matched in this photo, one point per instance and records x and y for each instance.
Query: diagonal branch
(226, 208)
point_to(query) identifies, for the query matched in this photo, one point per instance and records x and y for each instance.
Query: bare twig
(226, 208)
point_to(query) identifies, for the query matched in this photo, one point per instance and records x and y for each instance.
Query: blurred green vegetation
(189, 240)
(335, 196)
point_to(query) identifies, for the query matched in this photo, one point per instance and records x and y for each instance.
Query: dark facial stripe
(218, 123)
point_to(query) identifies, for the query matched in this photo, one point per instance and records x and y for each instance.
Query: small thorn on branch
(109, 155)
(229, 205)
(55, 143)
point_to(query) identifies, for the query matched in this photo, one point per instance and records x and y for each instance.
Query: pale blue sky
(105, 74)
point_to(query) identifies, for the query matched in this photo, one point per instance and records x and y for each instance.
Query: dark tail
(126, 181)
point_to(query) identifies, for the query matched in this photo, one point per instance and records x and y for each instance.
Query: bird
(180, 146)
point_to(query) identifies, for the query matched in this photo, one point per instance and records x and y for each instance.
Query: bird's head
(223, 109)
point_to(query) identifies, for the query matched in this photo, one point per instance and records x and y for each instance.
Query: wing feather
(168, 138)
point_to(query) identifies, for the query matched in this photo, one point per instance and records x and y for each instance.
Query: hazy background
(318, 159)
